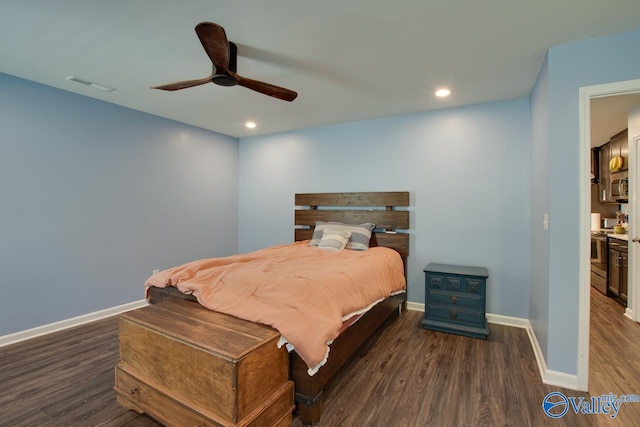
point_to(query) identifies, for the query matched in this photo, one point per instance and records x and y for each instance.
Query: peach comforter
(304, 292)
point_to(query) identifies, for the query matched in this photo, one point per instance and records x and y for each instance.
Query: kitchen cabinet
(618, 262)
(595, 165)
(604, 177)
(618, 145)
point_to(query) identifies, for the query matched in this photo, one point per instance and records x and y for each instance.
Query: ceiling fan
(223, 55)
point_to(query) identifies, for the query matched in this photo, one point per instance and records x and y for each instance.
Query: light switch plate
(545, 222)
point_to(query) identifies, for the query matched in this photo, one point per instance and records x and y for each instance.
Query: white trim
(68, 323)
(516, 322)
(633, 290)
(537, 351)
(496, 319)
(549, 377)
(415, 306)
(629, 313)
(560, 379)
(554, 378)
(587, 93)
(584, 272)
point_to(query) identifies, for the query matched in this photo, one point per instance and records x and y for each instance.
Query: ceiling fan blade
(184, 84)
(266, 88)
(215, 43)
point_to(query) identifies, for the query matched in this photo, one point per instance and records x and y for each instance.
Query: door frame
(633, 260)
(586, 93)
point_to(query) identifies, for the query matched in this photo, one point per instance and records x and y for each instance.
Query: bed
(379, 208)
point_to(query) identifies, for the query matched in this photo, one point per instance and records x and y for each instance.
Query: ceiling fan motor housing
(224, 79)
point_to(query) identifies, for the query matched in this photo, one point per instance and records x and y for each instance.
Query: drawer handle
(454, 299)
(454, 314)
(133, 391)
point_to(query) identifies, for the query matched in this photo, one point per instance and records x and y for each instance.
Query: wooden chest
(185, 365)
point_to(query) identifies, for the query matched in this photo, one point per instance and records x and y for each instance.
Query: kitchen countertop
(609, 232)
(624, 237)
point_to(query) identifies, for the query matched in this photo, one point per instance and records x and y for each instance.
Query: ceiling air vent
(92, 84)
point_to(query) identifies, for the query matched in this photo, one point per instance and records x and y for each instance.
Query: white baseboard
(497, 319)
(554, 378)
(516, 322)
(629, 313)
(415, 306)
(549, 377)
(68, 323)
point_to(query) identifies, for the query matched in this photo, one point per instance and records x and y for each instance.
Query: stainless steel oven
(599, 264)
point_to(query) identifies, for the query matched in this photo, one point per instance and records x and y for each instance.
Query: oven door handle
(620, 187)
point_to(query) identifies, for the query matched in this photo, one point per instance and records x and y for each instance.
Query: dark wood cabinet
(595, 165)
(618, 263)
(603, 176)
(455, 299)
(618, 145)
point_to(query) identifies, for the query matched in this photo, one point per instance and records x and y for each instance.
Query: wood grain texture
(614, 357)
(312, 387)
(411, 376)
(404, 376)
(310, 390)
(181, 355)
(381, 198)
(207, 328)
(381, 218)
(65, 378)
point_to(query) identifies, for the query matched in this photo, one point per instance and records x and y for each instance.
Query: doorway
(586, 95)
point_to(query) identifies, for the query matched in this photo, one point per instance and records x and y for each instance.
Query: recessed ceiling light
(441, 93)
(250, 125)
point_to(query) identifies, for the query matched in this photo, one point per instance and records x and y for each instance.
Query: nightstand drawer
(474, 286)
(456, 314)
(445, 283)
(455, 284)
(456, 299)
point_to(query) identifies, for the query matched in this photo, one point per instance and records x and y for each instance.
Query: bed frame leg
(310, 415)
(309, 408)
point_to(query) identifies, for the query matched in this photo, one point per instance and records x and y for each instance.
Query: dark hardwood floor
(404, 376)
(614, 356)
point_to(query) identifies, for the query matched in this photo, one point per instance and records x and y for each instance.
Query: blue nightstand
(455, 299)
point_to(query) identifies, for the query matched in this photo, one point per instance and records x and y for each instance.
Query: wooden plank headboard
(312, 207)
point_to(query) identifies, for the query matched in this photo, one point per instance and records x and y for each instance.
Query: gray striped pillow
(334, 239)
(360, 234)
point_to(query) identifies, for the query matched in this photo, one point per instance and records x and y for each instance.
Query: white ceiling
(609, 115)
(349, 60)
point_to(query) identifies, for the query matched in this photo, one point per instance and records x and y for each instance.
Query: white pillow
(334, 239)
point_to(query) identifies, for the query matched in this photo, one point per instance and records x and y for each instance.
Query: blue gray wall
(94, 197)
(467, 170)
(539, 264)
(556, 135)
